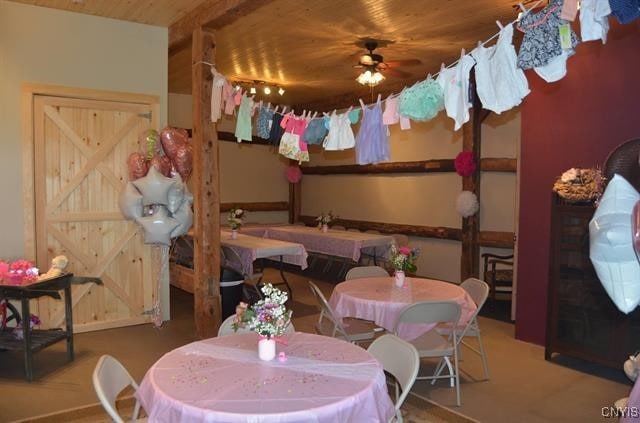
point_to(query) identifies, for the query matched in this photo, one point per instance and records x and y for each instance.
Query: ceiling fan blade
(404, 62)
(396, 73)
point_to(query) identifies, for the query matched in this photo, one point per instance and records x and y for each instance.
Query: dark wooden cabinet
(582, 321)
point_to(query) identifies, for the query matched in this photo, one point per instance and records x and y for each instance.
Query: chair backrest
(231, 259)
(400, 240)
(365, 272)
(327, 312)
(400, 359)
(478, 291)
(226, 327)
(430, 312)
(109, 379)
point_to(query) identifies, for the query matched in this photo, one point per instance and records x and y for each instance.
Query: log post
(206, 191)
(295, 193)
(471, 140)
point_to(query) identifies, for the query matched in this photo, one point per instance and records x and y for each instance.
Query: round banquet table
(222, 380)
(380, 300)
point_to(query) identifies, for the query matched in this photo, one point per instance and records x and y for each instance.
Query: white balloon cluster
(161, 205)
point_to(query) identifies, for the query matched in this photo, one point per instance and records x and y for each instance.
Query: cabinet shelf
(582, 321)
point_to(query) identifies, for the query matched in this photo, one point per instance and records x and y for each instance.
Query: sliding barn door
(80, 152)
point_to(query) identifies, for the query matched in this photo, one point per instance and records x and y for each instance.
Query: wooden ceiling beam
(210, 14)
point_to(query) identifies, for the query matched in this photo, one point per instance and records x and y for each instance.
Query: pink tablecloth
(379, 300)
(338, 243)
(251, 248)
(222, 380)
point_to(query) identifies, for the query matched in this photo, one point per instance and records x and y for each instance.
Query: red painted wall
(574, 122)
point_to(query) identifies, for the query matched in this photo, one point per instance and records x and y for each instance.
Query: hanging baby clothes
(340, 135)
(391, 115)
(625, 10)
(229, 95)
(276, 129)
(455, 85)
(294, 127)
(422, 101)
(541, 48)
(243, 120)
(263, 122)
(354, 116)
(594, 20)
(216, 94)
(372, 144)
(315, 132)
(499, 83)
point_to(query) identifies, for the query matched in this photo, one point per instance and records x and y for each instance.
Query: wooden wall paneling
(206, 190)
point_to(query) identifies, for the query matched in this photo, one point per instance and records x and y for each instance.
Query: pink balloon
(635, 228)
(183, 161)
(162, 164)
(172, 139)
(137, 166)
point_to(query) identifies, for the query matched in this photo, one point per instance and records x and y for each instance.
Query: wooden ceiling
(309, 47)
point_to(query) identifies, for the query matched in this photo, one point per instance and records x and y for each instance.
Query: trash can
(230, 290)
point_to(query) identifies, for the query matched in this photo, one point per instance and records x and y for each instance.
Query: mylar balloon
(176, 194)
(184, 216)
(163, 164)
(154, 187)
(611, 244)
(183, 161)
(137, 166)
(150, 141)
(171, 139)
(635, 229)
(130, 202)
(158, 227)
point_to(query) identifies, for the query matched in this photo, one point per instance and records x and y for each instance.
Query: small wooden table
(36, 339)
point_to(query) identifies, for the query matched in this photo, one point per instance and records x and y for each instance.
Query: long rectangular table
(340, 243)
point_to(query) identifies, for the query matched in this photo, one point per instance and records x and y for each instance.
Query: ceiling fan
(375, 62)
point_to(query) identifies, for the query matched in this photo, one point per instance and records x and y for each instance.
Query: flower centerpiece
(577, 185)
(235, 221)
(403, 260)
(324, 219)
(268, 317)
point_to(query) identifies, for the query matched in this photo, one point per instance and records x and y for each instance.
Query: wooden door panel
(81, 147)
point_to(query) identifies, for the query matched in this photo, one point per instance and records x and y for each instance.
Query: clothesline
(524, 10)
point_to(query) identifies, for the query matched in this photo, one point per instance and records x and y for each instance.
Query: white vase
(267, 349)
(234, 234)
(399, 278)
(325, 228)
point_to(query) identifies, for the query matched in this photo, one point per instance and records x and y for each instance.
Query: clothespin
(462, 53)
(304, 113)
(379, 97)
(500, 25)
(284, 109)
(276, 109)
(269, 105)
(350, 108)
(521, 6)
(442, 66)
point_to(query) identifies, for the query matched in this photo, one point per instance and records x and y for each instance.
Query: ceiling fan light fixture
(267, 90)
(281, 91)
(252, 90)
(370, 78)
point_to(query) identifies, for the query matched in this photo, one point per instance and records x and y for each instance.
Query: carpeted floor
(522, 387)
